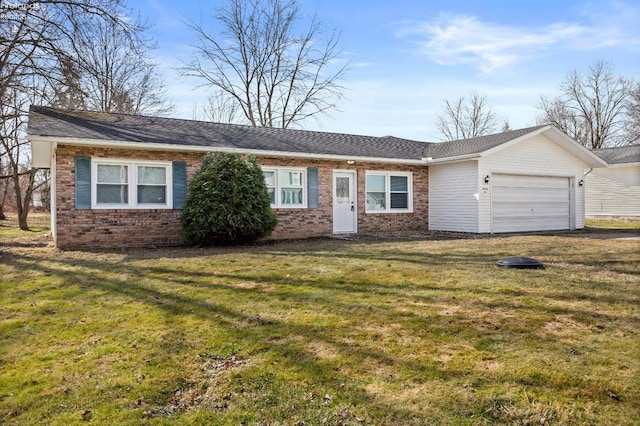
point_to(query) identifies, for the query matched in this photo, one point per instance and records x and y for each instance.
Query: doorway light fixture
(350, 162)
(487, 178)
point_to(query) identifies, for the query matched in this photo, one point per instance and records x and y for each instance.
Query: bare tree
(15, 154)
(277, 77)
(4, 182)
(219, 108)
(467, 118)
(35, 38)
(567, 119)
(110, 71)
(68, 92)
(632, 125)
(591, 108)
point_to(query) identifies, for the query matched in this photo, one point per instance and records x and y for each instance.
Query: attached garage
(521, 203)
(520, 181)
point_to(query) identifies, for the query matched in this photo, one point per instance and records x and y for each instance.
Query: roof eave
(615, 165)
(103, 143)
(455, 159)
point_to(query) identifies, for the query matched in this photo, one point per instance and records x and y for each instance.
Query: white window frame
(387, 191)
(132, 182)
(278, 187)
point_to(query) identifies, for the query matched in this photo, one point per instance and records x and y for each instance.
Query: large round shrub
(227, 202)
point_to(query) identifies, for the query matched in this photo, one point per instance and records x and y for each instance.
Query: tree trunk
(2, 200)
(23, 204)
(4, 188)
(22, 220)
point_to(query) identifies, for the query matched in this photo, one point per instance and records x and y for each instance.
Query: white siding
(453, 197)
(613, 192)
(537, 156)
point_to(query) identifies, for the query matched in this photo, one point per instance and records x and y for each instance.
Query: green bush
(227, 202)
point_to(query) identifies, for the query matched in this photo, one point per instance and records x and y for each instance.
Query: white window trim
(387, 191)
(278, 189)
(132, 180)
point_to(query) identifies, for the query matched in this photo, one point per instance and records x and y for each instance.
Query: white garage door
(530, 203)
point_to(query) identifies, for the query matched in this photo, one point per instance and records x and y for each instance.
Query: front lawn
(321, 332)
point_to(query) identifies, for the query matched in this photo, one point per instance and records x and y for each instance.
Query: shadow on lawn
(280, 338)
(203, 294)
(587, 291)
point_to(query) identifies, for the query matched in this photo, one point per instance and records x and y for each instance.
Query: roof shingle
(51, 122)
(475, 145)
(620, 154)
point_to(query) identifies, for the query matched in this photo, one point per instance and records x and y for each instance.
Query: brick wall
(158, 227)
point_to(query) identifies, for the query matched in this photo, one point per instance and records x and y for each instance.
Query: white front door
(345, 211)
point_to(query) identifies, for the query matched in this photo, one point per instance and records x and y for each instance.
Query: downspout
(428, 161)
(584, 197)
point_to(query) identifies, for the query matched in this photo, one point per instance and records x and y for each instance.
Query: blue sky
(407, 56)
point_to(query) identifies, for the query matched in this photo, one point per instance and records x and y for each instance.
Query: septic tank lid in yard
(517, 262)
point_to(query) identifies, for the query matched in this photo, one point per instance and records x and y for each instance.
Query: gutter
(454, 159)
(204, 149)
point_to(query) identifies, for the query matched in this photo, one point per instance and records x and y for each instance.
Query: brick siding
(159, 227)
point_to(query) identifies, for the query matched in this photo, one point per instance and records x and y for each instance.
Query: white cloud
(614, 23)
(462, 39)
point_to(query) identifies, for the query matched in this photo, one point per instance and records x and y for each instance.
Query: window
(112, 184)
(127, 184)
(286, 187)
(389, 192)
(270, 180)
(152, 185)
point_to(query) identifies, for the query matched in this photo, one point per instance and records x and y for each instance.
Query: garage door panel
(523, 181)
(530, 203)
(531, 195)
(531, 209)
(531, 224)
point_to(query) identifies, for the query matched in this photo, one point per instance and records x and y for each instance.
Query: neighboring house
(36, 199)
(615, 191)
(120, 180)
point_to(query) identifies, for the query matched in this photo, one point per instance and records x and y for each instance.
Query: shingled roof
(89, 126)
(620, 154)
(476, 145)
(51, 122)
